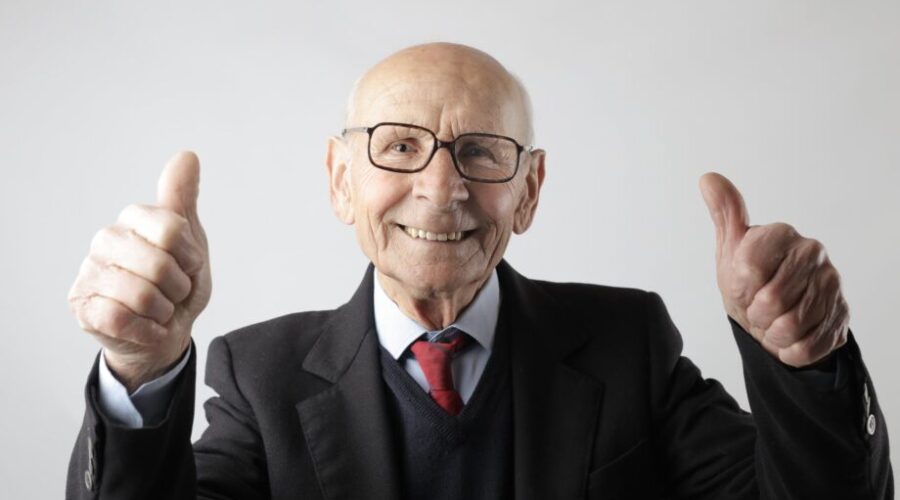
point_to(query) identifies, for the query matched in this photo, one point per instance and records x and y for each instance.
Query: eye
(476, 151)
(401, 147)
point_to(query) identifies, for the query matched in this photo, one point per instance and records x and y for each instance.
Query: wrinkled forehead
(449, 99)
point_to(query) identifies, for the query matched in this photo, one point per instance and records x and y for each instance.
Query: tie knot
(435, 359)
(442, 335)
(452, 339)
(443, 345)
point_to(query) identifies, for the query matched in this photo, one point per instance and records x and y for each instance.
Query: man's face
(389, 209)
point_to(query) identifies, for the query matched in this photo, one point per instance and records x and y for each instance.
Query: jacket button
(870, 425)
(88, 480)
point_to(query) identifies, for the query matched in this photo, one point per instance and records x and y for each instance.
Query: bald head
(435, 230)
(440, 86)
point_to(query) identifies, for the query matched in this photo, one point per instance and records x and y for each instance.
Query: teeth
(428, 235)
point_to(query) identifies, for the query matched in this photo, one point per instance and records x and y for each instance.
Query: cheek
(376, 195)
(499, 205)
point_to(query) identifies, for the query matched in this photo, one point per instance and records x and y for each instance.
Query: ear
(337, 162)
(528, 203)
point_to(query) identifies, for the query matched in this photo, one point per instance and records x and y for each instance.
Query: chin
(432, 278)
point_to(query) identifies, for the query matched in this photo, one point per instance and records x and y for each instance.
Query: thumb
(726, 209)
(179, 185)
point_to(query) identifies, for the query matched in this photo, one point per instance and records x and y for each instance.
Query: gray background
(796, 102)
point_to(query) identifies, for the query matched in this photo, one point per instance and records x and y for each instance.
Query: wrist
(135, 369)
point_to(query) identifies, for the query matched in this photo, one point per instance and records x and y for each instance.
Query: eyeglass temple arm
(355, 129)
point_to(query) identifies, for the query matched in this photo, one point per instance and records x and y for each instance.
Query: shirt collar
(396, 331)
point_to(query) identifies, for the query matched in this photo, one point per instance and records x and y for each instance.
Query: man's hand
(147, 278)
(778, 285)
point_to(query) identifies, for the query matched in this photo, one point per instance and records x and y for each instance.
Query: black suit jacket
(604, 407)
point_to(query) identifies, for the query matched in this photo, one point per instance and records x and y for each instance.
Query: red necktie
(435, 359)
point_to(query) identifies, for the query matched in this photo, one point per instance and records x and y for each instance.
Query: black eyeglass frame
(438, 144)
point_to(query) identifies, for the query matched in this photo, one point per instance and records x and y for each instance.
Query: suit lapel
(346, 426)
(555, 408)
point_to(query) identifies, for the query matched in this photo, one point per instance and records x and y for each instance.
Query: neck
(433, 310)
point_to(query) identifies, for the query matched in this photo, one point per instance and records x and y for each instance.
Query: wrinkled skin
(778, 285)
(451, 90)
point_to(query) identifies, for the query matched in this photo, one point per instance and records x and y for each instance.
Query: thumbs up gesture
(777, 285)
(146, 279)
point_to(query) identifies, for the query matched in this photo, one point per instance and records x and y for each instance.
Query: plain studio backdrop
(796, 102)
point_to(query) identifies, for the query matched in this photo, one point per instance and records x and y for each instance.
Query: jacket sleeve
(231, 460)
(111, 461)
(804, 439)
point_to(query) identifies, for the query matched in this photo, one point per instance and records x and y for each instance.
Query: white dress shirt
(145, 406)
(396, 331)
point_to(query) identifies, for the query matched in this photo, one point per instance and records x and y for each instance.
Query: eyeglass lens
(479, 156)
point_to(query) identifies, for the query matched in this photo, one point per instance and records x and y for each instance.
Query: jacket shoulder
(593, 298)
(624, 320)
(254, 350)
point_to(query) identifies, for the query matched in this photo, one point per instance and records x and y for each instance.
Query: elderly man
(448, 375)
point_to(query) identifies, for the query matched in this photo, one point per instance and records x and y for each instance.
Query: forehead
(448, 99)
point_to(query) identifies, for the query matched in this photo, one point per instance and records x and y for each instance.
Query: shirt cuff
(146, 406)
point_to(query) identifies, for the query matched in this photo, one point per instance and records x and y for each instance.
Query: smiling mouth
(421, 234)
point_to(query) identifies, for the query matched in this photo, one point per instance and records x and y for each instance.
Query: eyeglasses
(405, 148)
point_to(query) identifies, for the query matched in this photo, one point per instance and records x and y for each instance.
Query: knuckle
(118, 320)
(784, 229)
(159, 269)
(814, 250)
(131, 212)
(831, 278)
(182, 289)
(785, 325)
(76, 306)
(747, 272)
(800, 356)
(131, 236)
(840, 339)
(145, 299)
(109, 272)
(166, 273)
(758, 319)
(769, 300)
(167, 310)
(102, 238)
(108, 319)
(817, 246)
(844, 309)
(737, 292)
(81, 288)
(87, 314)
(87, 267)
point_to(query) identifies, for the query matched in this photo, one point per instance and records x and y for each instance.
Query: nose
(440, 183)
